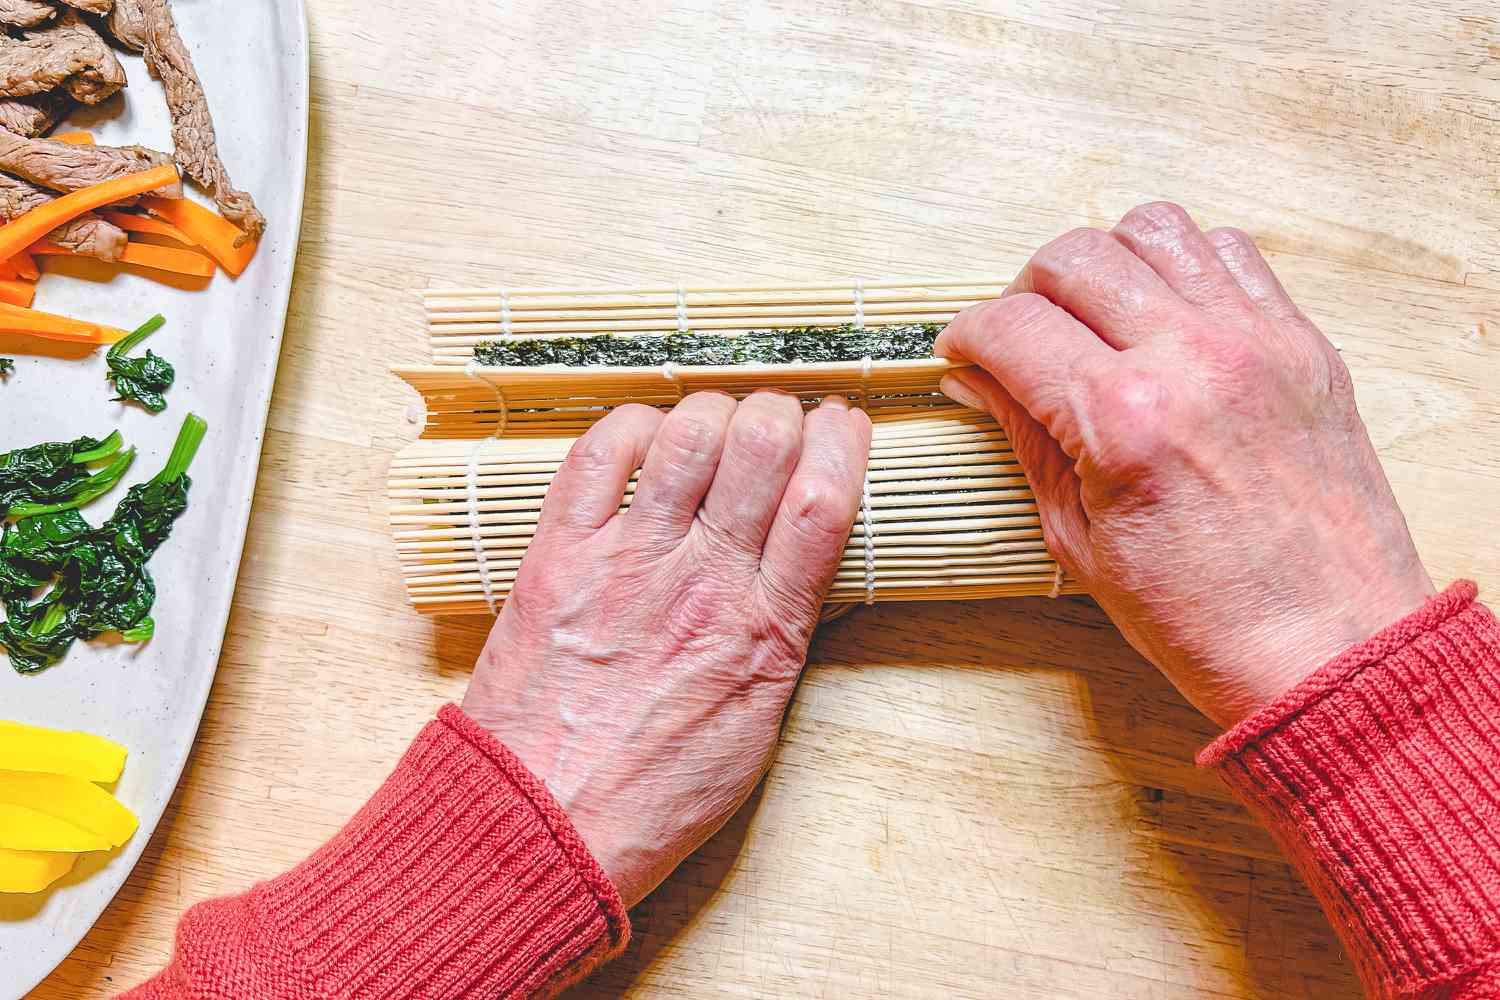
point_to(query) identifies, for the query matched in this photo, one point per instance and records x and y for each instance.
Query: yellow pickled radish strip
(72, 799)
(23, 828)
(58, 751)
(32, 871)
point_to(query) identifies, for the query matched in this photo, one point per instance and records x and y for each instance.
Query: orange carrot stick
(28, 227)
(74, 138)
(132, 223)
(206, 228)
(16, 292)
(188, 262)
(18, 319)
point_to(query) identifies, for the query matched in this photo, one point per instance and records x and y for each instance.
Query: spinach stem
(97, 485)
(102, 450)
(188, 439)
(140, 333)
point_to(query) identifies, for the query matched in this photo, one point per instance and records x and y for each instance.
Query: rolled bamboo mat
(479, 401)
(947, 512)
(947, 515)
(460, 318)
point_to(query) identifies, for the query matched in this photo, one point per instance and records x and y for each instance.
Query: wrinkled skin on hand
(1198, 458)
(643, 662)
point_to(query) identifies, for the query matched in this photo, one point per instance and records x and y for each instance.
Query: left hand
(643, 662)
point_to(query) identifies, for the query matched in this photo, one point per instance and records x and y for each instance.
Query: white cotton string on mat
(505, 327)
(867, 517)
(476, 539)
(1057, 581)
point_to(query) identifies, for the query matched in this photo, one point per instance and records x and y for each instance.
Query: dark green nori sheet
(801, 344)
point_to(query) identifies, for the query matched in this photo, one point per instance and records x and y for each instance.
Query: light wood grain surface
(985, 800)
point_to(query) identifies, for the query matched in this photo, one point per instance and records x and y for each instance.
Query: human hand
(1197, 456)
(642, 664)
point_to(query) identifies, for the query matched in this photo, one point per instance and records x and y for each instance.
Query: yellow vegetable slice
(32, 871)
(57, 751)
(25, 829)
(71, 799)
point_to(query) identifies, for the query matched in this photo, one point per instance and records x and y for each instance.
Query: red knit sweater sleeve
(460, 878)
(1380, 777)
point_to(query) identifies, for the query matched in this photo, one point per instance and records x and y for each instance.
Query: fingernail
(954, 388)
(836, 402)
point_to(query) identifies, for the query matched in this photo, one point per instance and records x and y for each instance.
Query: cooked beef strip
(193, 139)
(127, 22)
(64, 167)
(25, 13)
(31, 116)
(100, 7)
(87, 234)
(66, 53)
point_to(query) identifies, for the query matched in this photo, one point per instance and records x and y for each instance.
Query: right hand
(1197, 456)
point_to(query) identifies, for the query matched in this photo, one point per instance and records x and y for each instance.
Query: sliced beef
(87, 234)
(31, 116)
(193, 138)
(67, 53)
(100, 7)
(25, 13)
(64, 167)
(127, 22)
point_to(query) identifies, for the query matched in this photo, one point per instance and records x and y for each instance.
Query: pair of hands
(1199, 465)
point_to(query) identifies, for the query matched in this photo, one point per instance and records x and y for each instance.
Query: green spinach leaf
(145, 379)
(98, 576)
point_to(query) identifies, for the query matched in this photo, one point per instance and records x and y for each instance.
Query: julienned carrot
(27, 228)
(17, 292)
(207, 228)
(132, 223)
(75, 138)
(187, 262)
(49, 326)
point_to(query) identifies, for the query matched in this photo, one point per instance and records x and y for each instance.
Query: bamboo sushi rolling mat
(946, 513)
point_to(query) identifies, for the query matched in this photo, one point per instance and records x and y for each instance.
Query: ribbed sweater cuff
(461, 877)
(1380, 776)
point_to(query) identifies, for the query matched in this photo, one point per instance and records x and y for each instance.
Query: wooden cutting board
(995, 800)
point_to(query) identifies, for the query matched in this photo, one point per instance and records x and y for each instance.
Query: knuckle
(690, 435)
(1157, 218)
(595, 452)
(1133, 397)
(1131, 411)
(633, 410)
(1077, 246)
(1025, 312)
(818, 511)
(1324, 371)
(767, 437)
(1241, 360)
(1228, 237)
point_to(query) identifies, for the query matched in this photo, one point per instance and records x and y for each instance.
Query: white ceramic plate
(252, 57)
